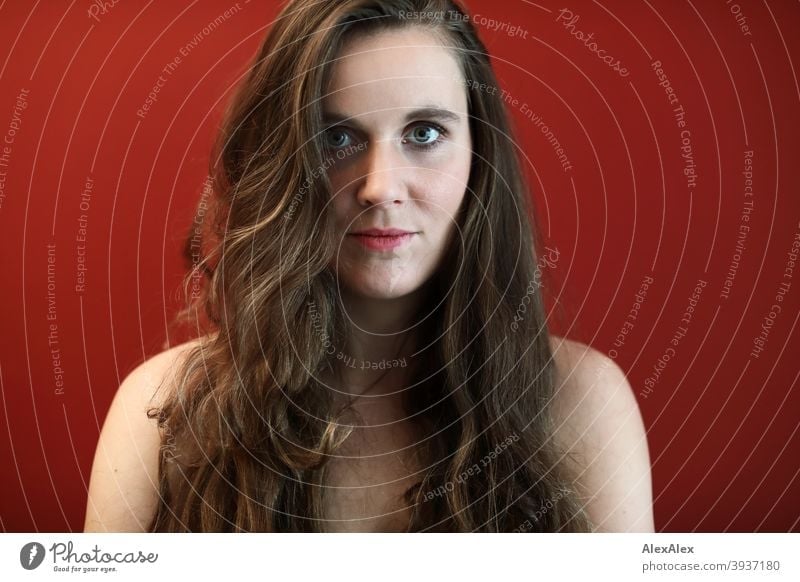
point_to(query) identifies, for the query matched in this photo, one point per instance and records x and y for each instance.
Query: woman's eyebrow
(428, 112)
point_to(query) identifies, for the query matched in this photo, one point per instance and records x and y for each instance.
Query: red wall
(722, 423)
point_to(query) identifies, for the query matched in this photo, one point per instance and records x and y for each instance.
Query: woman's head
(298, 185)
(325, 137)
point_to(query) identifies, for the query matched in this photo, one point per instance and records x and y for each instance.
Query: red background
(722, 425)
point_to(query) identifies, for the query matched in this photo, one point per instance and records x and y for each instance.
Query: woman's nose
(383, 170)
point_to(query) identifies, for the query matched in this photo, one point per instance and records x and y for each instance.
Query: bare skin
(597, 418)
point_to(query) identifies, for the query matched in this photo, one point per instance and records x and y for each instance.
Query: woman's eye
(424, 135)
(336, 138)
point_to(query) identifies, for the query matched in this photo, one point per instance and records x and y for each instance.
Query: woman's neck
(376, 356)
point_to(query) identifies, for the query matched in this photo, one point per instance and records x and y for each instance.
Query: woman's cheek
(442, 193)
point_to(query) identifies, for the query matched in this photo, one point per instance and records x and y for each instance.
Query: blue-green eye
(336, 138)
(424, 136)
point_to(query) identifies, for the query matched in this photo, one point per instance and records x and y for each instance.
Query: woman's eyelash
(334, 129)
(441, 130)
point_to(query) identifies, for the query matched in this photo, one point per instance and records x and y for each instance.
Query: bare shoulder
(123, 487)
(154, 379)
(598, 420)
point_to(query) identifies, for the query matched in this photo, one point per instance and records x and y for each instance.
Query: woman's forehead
(395, 69)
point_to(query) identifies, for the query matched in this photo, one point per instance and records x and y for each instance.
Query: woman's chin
(372, 289)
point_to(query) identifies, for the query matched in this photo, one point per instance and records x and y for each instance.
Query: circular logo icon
(31, 555)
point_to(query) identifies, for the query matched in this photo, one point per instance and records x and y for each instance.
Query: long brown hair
(249, 428)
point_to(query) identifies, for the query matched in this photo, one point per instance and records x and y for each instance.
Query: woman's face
(399, 152)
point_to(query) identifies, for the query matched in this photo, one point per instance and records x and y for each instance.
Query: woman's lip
(382, 243)
(383, 231)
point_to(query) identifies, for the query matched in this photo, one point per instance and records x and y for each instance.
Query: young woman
(376, 356)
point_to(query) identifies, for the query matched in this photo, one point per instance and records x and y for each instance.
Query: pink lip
(385, 239)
